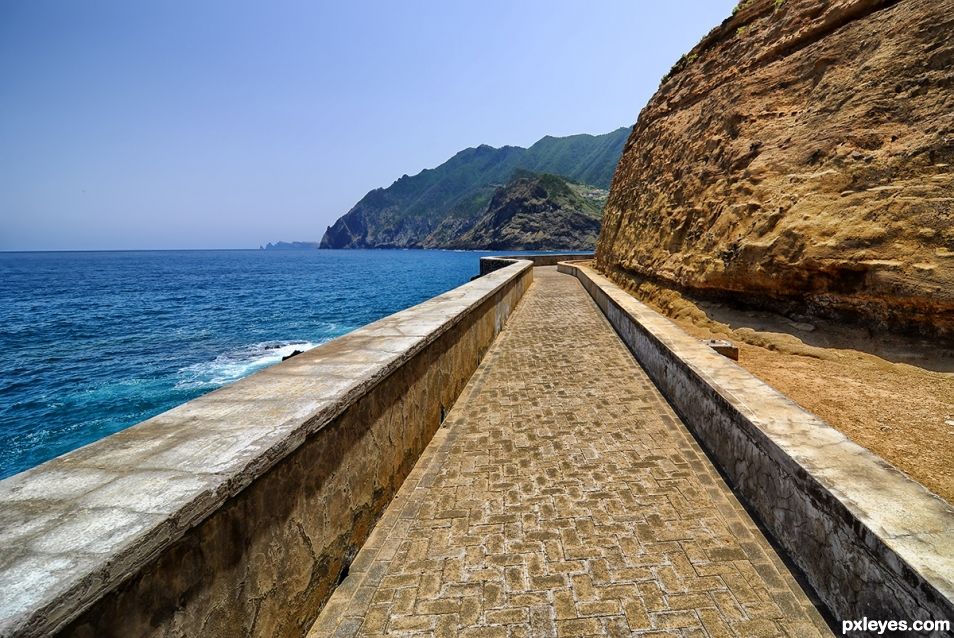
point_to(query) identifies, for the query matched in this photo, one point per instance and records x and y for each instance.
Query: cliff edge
(799, 159)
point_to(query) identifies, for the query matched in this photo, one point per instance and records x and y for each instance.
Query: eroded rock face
(801, 158)
(537, 212)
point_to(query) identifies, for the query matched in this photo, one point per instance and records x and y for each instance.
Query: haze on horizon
(231, 124)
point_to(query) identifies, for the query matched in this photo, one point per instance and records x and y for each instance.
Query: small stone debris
(723, 347)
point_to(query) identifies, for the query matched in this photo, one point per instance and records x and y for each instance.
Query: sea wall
(871, 542)
(492, 264)
(237, 513)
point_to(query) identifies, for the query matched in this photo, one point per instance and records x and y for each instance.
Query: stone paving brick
(563, 497)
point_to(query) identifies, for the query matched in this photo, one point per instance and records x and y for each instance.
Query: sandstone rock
(799, 159)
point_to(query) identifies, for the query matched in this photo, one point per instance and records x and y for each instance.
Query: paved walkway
(565, 498)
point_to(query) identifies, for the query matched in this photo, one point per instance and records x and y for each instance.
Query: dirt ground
(892, 395)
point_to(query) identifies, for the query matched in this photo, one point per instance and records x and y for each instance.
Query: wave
(238, 363)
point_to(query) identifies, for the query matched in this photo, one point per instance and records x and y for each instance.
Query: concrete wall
(236, 514)
(871, 542)
(491, 264)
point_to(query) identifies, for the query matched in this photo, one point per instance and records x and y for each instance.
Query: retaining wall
(491, 264)
(237, 513)
(871, 542)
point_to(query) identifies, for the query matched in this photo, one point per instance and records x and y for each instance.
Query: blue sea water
(91, 343)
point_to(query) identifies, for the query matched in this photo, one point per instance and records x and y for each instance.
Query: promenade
(563, 497)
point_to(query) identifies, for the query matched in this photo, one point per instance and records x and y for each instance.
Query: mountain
(799, 158)
(436, 206)
(537, 212)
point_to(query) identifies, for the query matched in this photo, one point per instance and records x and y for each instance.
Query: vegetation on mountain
(537, 212)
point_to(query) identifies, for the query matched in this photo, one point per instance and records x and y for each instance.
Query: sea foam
(235, 364)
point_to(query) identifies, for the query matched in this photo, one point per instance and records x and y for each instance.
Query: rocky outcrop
(537, 212)
(291, 245)
(800, 158)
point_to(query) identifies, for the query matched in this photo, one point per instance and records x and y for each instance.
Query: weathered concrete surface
(233, 514)
(491, 264)
(872, 542)
(565, 498)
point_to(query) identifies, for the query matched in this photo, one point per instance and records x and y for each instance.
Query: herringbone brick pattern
(563, 497)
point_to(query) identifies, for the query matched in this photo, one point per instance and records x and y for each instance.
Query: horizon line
(263, 249)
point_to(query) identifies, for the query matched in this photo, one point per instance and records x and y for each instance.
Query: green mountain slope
(436, 206)
(586, 159)
(537, 212)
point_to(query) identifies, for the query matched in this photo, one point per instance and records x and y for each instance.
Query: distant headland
(291, 245)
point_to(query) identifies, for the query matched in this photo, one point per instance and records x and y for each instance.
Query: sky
(228, 124)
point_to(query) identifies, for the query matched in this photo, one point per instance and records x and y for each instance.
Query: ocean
(93, 342)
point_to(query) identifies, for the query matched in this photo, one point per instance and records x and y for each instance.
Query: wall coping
(496, 262)
(909, 529)
(75, 527)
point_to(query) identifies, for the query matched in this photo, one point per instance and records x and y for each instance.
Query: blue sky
(229, 124)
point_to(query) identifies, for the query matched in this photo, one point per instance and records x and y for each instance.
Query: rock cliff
(799, 158)
(537, 212)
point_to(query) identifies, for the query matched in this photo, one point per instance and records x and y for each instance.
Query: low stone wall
(237, 513)
(871, 542)
(491, 264)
